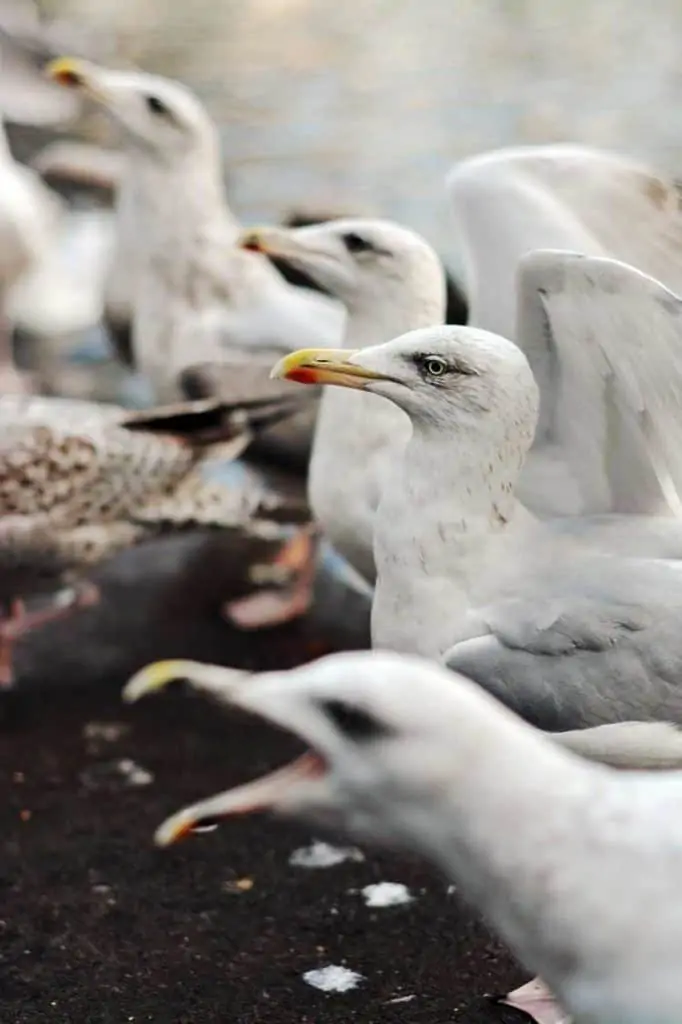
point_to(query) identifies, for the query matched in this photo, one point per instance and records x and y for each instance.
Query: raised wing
(605, 342)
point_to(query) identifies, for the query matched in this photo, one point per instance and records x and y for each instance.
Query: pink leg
(535, 999)
(276, 605)
(19, 622)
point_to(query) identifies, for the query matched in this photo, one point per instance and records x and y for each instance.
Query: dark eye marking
(355, 723)
(356, 243)
(156, 105)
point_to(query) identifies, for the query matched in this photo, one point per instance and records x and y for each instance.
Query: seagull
(390, 281)
(511, 201)
(586, 325)
(80, 481)
(574, 864)
(607, 382)
(559, 627)
(508, 203)
(194, 295)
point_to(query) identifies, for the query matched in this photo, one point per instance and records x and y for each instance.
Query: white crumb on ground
(386, 894)
(333, 979)
(324, 855)
(135, 774)
(400, 999)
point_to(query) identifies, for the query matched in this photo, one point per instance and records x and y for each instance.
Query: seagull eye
(156, 105)
(356, 243)
(353, 722)
(434, 366)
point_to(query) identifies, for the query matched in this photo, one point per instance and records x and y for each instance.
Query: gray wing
(605, 341)
(605, 647)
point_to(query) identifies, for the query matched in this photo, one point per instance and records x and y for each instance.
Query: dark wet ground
(98, 927)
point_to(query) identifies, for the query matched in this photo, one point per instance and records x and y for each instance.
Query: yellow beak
(155, 676)
(325, 366)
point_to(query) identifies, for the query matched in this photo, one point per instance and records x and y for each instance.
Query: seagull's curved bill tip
(179, 826)
(252, 240)
(154, 677)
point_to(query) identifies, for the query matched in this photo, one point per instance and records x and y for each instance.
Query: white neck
(357, 434)
(446, 508)
(514, 847)
(180, 199)
(182, 229)
(566, 860)
(393, 314)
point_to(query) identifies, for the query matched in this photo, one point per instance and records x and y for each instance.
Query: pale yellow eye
(435, 366)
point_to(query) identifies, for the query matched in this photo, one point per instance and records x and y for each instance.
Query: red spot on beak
(303, 375)
(69, 79)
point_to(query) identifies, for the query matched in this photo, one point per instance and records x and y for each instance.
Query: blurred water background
(363, 104)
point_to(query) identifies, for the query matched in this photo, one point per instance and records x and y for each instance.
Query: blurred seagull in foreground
(576, 865)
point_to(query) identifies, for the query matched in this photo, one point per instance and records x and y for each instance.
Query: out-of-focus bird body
(192, 294)
(80, 481)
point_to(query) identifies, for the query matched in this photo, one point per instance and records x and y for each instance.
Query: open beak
(260, 795)
(231, 687)
(73, 73)
(325, 366)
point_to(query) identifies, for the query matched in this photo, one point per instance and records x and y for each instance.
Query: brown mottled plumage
(79, 481)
